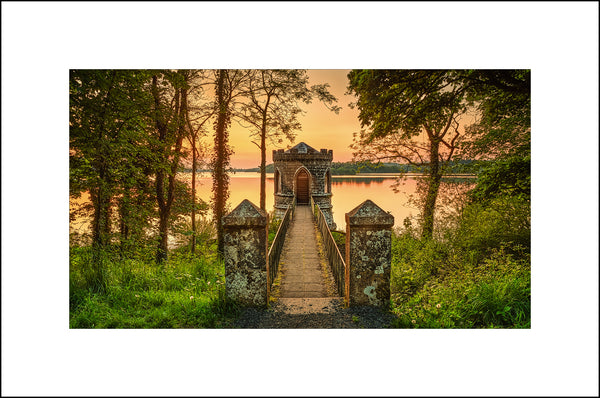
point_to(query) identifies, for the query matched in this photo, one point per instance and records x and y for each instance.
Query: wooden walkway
(306, 296)
(305, 272)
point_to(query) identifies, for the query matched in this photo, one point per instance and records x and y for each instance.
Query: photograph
(300, 199)
(303, 199)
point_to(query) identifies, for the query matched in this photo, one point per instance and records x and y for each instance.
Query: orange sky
(321, 128)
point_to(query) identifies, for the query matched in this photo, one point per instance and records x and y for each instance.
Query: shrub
(495, 293)
(484, 227)
(416, 261)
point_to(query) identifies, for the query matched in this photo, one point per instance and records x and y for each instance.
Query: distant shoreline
(358, 175)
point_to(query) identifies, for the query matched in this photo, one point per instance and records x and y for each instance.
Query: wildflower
(137, 295)
(191, 297)
(209, 282)
(438, 306)
(413, 321)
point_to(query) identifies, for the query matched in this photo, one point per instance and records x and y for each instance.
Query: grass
(477, 274)
(434, 286)
(186, 292)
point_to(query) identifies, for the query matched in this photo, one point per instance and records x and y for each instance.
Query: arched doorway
(302, 190)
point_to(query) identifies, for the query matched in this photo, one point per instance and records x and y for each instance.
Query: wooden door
(302, 188)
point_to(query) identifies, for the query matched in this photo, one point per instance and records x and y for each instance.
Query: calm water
(348, 192)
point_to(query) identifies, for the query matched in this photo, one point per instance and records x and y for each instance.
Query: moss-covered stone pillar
(245, 254)
(368, 254)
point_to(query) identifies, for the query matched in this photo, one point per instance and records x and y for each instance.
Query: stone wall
(245, 254)
(317, 163)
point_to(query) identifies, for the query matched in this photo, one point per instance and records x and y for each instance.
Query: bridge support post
(368, 255)
(245, 254)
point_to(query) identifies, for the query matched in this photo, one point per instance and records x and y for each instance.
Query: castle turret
(302, 172)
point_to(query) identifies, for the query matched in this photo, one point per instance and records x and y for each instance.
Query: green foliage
(404, 101)
(504, 177)
(412, 116)
(274, 224)
(477, 276)
(503, 99)
(493, 294)
(339, 237)
(502, 221)
(353, 168)
(186, 292)
(205, 234)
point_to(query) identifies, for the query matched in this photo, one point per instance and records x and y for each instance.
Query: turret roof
(302, 148)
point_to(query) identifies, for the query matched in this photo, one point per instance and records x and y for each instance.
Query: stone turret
(302, 172)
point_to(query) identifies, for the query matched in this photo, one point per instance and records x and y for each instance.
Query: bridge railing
(335, 258)
(277, 245)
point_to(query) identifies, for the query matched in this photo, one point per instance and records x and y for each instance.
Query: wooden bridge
(303, 261)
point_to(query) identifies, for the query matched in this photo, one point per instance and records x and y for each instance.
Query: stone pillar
(245, 254)
(368, 254)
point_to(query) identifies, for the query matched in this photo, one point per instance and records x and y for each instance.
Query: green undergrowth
(274, 224)
(434, 288)
(185, 292)
(478, 275)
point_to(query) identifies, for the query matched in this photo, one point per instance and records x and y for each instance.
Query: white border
(41, 41)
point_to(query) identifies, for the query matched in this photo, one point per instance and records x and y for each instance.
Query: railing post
(245, 254)
(368, 254)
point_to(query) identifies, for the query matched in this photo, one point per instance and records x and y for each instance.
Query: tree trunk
(165, 211)
(263, 156)
(263, 166)
(125, 221)
(220, 182)
(432, 190)
(193, 243)
(162, 251)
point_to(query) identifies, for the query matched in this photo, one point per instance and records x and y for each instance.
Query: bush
(484, 227)
(274, 223)
(494, 294)
(416, 261)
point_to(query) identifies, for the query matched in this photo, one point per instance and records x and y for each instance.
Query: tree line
(415, 116)
(131, 130)
(353, 168)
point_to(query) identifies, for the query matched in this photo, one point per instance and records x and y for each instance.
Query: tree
(227, 87)
(203, 111)
(412, 116)
(502, 133)
(503, 100)
(272, 108)
(169, 90)
(107, 126)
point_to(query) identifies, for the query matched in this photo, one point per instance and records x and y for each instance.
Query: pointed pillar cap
(246, 214)
(369, 214)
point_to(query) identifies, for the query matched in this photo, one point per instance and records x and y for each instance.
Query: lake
(348, 192)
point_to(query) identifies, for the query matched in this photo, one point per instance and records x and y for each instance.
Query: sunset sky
(321, 128)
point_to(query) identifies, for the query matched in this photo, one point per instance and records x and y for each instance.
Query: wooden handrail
(274, 253)
(335, 258)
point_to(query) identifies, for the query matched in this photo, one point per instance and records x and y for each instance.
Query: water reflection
(348, 192)
(337, 181)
